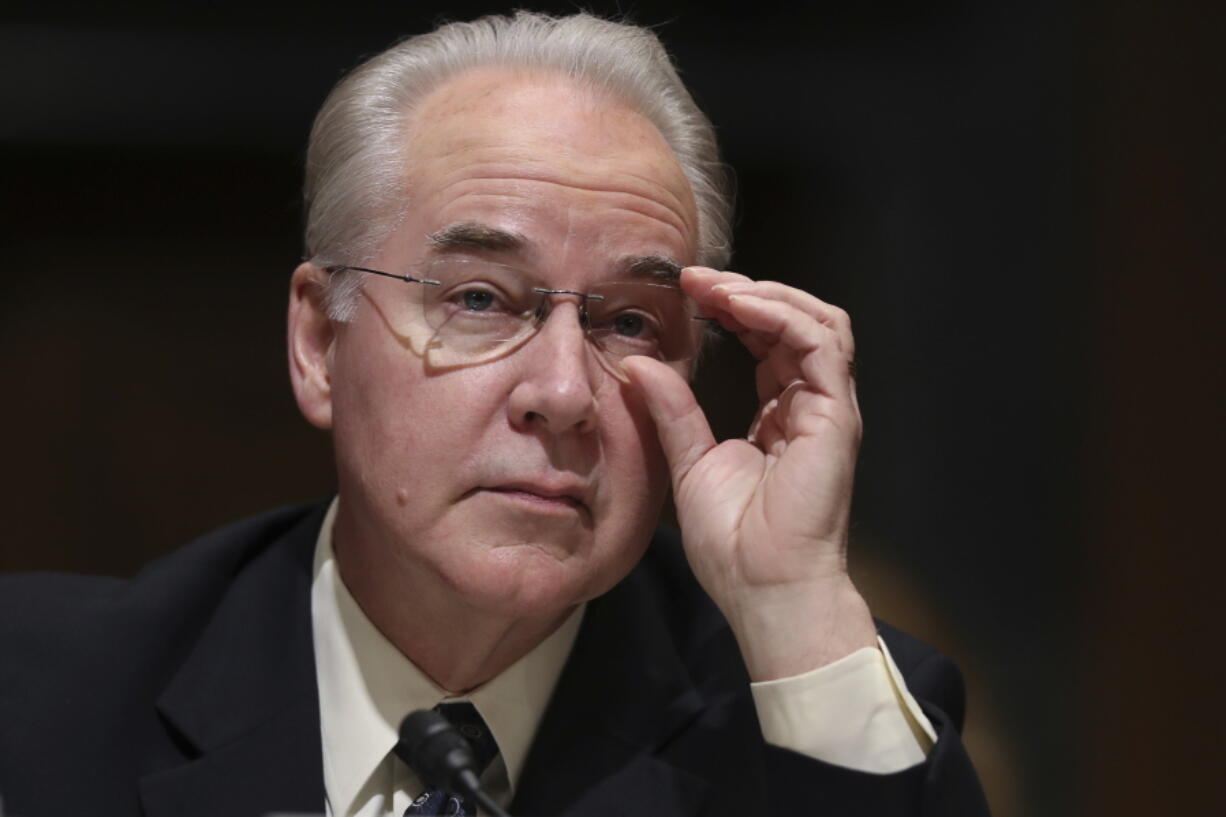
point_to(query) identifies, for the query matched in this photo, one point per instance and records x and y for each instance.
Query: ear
(312, 335)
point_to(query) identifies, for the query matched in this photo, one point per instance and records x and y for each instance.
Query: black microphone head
(432, 748)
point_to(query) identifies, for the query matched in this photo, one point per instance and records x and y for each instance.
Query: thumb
(681, 425)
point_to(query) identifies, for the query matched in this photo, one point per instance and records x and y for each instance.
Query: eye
(477, 300)
(629, 325)
(628, 332)
(638, 318)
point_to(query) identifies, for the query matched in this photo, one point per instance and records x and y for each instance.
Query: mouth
(540, 497)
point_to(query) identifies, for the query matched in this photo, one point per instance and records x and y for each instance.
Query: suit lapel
(245, 700)
(623, 695)
(246, 705)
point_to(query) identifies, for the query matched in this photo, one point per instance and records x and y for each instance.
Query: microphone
(442, 758)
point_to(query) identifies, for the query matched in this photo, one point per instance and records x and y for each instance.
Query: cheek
(637, 479)
(643, 471)
(371, 393)
(392, 426)
(644, 426)
(654, 464)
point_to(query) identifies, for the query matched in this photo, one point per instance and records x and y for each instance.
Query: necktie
(465, 718)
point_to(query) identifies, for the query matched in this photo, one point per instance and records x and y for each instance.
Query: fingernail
(733, 286)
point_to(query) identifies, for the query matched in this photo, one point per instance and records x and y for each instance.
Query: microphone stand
(442, 758)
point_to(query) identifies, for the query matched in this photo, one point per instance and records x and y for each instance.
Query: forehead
(532, 151)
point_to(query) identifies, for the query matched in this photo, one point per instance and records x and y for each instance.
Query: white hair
(354, 189)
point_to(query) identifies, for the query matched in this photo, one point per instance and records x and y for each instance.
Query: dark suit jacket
(190, 690)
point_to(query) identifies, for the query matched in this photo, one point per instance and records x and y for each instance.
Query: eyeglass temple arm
(409, 279)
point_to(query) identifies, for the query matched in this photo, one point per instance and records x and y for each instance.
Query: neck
(457, 645)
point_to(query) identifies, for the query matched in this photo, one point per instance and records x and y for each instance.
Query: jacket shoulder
(696, 627)
(86, 661)
(66, 624)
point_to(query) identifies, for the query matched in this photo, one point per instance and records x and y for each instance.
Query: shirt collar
(366, 685)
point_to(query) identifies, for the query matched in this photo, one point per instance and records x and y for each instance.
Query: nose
(556, 390)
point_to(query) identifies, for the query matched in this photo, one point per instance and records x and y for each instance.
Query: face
(527, 483)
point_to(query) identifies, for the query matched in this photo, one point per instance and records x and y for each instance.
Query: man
(504, 298)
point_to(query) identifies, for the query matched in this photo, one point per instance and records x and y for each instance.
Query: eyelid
(461, 289)
(607, 321)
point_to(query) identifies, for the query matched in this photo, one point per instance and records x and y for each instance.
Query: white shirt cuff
(855, 713)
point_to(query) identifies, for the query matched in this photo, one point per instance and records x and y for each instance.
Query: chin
(535, 580)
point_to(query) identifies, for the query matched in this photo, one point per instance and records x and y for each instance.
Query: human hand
(764, 519)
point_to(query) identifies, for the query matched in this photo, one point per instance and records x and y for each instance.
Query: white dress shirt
(855, 712)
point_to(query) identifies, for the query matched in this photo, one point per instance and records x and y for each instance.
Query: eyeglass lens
(480, 310)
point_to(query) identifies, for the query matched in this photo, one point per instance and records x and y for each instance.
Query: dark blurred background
(1018, 202)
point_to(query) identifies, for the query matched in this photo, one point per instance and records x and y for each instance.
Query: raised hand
(764, 519)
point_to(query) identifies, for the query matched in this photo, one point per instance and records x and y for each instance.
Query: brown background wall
(1155, 564)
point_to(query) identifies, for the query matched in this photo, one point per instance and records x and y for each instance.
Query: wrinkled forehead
(532, 138)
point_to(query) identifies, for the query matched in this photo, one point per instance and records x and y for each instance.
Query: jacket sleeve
(944, 785)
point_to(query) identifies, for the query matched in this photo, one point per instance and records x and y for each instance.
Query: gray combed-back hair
(354, 190)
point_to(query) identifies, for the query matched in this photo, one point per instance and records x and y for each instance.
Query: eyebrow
(652, 267)
(471, 235)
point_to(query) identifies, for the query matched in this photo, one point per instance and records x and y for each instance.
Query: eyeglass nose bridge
(543, 308)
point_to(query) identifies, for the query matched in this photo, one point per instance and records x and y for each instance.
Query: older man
(500, 312)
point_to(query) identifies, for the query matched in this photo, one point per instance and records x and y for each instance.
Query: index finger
(827, 314)
(698, 282)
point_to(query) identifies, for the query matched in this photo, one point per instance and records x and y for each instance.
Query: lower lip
(554, 504)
